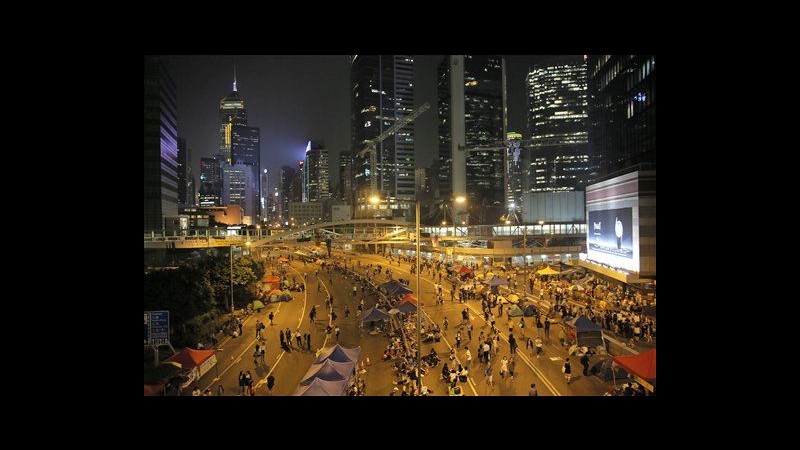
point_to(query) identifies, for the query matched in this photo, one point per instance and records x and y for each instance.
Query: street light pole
(419, 312)
(231, 278)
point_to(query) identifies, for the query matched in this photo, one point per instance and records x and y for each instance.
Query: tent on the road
(547, 271)
(395, 288)
(588, 333)
(407, 306)
(603, 370)
(497, 281)
(190, 358)
(529, 309)
(323, 388)
(515, 311)
(329, 370)
(337, 353)
(642, 365)
(373, 314)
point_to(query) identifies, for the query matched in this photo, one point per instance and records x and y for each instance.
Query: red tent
(272, 279)
(464, 269)
(190, 358)
(642, 365)
(409, 298)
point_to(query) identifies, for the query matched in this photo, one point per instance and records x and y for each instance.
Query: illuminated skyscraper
(185, 176)
(231, 112)
(160, 145)
(485, 124)
(317, 179)
(622, 109)
(557, 104)
(383, 91)
(211, 181)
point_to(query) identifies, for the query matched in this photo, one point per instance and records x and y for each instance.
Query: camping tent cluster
(332, 372)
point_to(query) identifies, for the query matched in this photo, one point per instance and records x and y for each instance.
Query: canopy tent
(395, 288)
(587, 333)
(529, 309)
(190, 358)
(407, 306)
(329, 371)
(603, 370)
(337, 353)
(374, 313)
(547, 271)
(322, 388)
(271, 279)
(642, 365)
(409, 298)
(515, 311)
(464, 269)
(456, 268)
(513, 298)
(497, 281)
(501, 299)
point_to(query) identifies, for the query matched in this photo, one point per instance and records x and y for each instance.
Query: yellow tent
(547, 271)
(513, 298)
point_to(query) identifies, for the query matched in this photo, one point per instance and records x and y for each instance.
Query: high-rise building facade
(485, 126)
(346, 177)
(382, 88)
(211, 181)
(562, 160)
(515, 176)
(284, 191)
(317, 175)
(239, 188)
(185, 175)
(265, 201)
(622, 109)
(246, 150)
(296, 191)
(231, 113)
(160, 145)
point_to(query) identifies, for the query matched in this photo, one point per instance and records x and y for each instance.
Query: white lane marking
(232, 364)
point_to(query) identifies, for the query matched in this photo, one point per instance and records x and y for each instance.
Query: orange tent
(272, 279)
(409, 298)
(464, 269)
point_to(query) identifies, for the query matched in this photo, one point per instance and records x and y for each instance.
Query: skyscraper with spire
(240, 148)
(231, 112)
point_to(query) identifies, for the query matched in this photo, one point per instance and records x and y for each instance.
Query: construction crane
(503, 146)
(372, 144)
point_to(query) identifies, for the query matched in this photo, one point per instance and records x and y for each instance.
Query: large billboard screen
(611, 232)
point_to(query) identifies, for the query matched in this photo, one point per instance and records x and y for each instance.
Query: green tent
(258, 305)
(515, 311)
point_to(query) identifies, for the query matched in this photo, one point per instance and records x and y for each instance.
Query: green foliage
(184, 292)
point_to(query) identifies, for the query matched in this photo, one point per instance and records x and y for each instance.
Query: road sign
(156, 327)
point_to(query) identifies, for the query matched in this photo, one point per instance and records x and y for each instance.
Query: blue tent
(374, 314)
(582, 324)
(337, 353)
(320, 387)
(395, 288)
(497, 281)
(407, 307)
(329, 370)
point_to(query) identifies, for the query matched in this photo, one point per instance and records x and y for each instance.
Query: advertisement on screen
(611, 232)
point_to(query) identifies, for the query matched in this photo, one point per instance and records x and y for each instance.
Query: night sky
(294, 98)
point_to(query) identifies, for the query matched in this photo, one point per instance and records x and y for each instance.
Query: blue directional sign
(156, 327)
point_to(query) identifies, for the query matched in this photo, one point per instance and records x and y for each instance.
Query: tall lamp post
(375, 200)
(419, 311)
(231, 278)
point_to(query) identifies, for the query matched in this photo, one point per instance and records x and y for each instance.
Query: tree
(184, 292)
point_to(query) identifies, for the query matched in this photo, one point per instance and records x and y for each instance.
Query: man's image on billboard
(611, 232)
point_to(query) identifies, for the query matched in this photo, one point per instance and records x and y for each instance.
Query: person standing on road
(220, 391)
(503, 367)
(347, 309)
(337, 334)
(488, 373)
(566, 369)
(468, 358)
(281, 338)
(288, 335)
(270, 384)
(538, 347)
(271, 316)
(547, 328)
(299, 338)
(529, 346)
(585, 364)
(458, 340)
(333, 315)
(445, 324)
(512, 365)
(512, 342)
(533, 392)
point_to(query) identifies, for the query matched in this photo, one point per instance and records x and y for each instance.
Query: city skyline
(295, 98)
